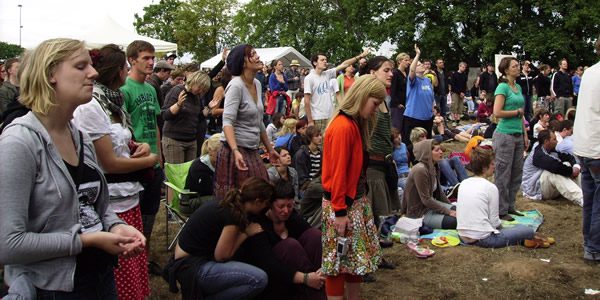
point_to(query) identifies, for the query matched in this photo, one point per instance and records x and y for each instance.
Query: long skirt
(364, 253)
(227, 174)
(131, 275)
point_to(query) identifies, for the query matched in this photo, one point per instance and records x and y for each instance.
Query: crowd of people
(294, 171)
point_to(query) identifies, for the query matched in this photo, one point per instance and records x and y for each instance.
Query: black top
(542, 85)
(200, 178)
(526, 83)
(295, 225)
(442, 88)
(488, 82)
(203, 229)
(182, 126)
(90, 259)
(398, 89)
(458, 82)
(563, 85)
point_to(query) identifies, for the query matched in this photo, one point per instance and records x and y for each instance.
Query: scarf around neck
(111, 102)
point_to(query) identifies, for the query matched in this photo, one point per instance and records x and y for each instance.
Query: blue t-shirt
(400, 156)
(419, 99)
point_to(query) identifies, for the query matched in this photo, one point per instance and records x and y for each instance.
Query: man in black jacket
(562, 88)
(441, 90)
(550, 174)
(525, 80)
(458, 87)
(488, 81)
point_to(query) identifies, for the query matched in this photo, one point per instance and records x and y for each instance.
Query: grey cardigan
(39, 219)
(241, 113)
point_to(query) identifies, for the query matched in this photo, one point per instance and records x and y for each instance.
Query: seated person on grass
(295, 244)
(477, 207)
(423, 196)
(451, 169)
(281, 170)
(201, 174)
(548, 174)
(441, 132)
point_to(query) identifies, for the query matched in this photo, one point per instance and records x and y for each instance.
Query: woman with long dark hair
(108, 125)
(204, 257)
(510, 139)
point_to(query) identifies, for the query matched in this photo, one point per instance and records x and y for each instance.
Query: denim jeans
(507, 237)
(590, 184)
(88, 285)
(452, 171)
(230, 280)
(150, 200)
(509, 168)
(441, 102)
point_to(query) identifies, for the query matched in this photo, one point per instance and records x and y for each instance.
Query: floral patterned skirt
(364, 253)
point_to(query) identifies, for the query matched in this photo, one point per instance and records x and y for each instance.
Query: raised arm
(352, 60)
(413, 66)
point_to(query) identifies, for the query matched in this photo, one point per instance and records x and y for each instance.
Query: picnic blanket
(531, 218)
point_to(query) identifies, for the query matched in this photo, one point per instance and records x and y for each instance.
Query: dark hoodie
(419, 196)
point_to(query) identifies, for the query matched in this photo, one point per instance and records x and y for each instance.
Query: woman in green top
(509, 140)
(382, 190)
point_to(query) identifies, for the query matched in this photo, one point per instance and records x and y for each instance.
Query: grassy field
(467, 272)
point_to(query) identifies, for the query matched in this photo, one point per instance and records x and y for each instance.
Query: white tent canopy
(267, 55)
(110, 32)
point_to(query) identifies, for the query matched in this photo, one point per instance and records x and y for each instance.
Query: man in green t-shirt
(141, 102)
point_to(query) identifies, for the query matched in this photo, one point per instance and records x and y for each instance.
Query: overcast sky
(44, 19)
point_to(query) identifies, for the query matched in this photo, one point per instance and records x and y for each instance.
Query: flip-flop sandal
(419, 251)
(536, 243)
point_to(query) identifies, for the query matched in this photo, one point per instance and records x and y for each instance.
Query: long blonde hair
(36, 91)
(365, 87)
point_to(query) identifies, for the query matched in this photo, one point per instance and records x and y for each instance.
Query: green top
(512, 101)
(381, 140)
(140, 101)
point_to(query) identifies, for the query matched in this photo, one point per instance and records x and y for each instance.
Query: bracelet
(305, 281)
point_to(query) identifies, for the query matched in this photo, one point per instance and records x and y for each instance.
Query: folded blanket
(531, 218)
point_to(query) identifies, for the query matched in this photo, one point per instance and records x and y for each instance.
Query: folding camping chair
(176, 175)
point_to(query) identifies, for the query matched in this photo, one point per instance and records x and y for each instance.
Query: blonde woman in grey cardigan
(57, 234)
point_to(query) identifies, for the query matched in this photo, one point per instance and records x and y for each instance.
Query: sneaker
(385, 264)
(507, 218)
(368, 278)
(154, 268)
(591, 256)
(452, 192)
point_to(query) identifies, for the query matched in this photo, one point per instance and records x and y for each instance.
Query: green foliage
(9, 50)
(457, 30)
(200, 27)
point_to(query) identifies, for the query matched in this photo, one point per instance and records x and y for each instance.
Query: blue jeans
(452, 171)
(230, 280)
(441, 102)
(507, 237)
(590, 185)
(88, 285)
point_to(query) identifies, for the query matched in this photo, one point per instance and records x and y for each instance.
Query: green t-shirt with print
(512, 101)
(141, 103)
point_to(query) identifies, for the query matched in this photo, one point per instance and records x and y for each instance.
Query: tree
(200, 27)
(9, 50)
(158, 20)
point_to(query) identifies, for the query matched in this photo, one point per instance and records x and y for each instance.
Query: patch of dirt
(468, 272)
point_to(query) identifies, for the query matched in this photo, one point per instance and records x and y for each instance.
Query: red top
(342, 162)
